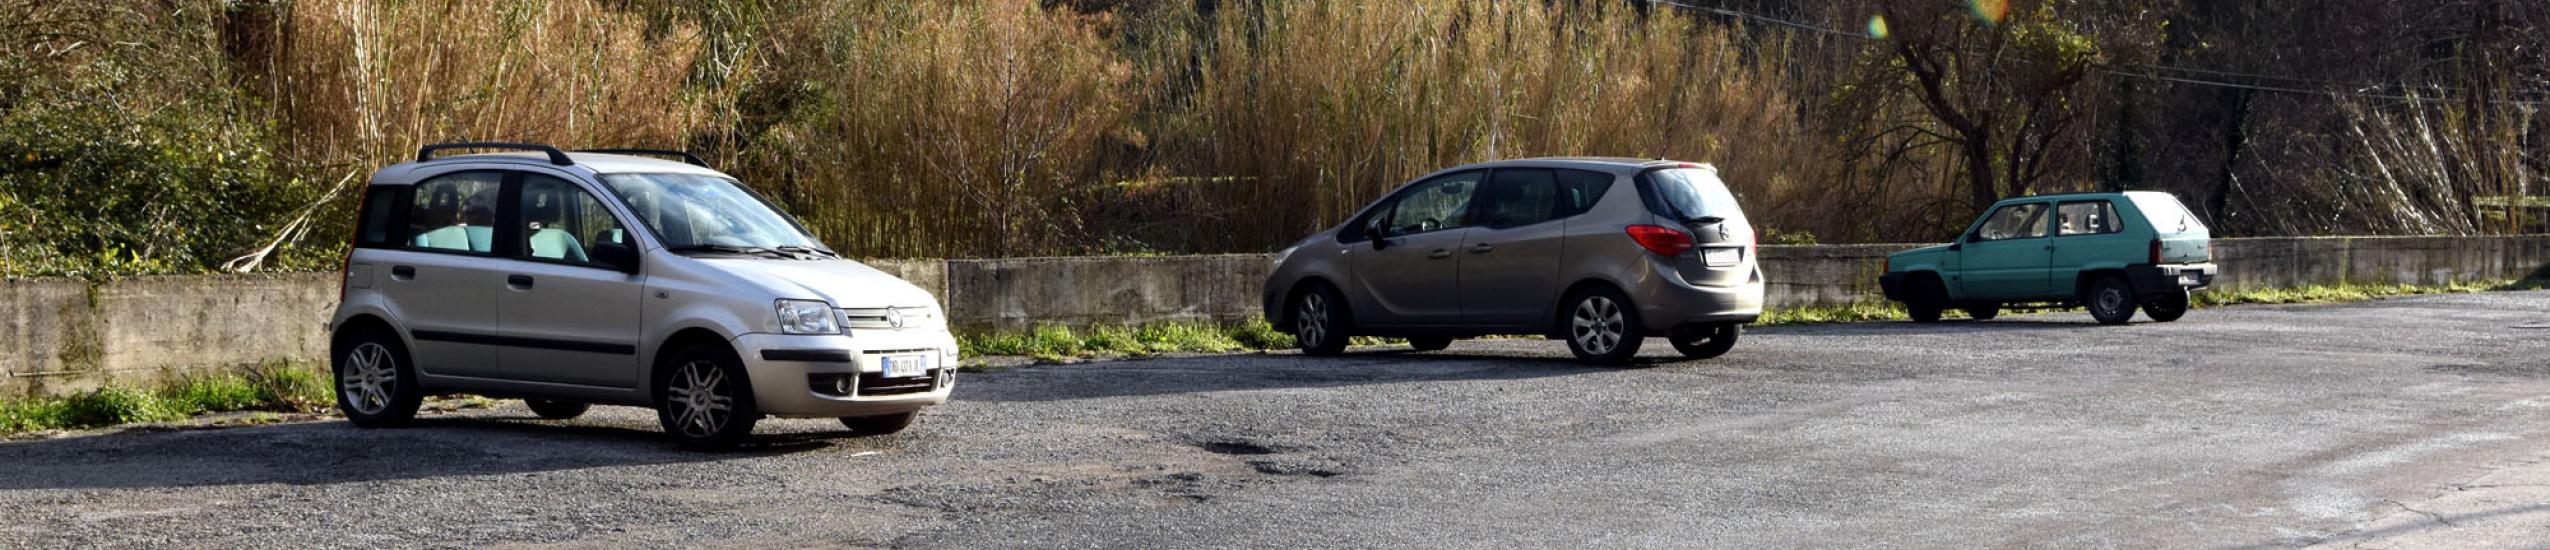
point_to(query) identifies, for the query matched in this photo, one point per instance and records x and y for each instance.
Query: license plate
(1722, 256)
(2188, 280)
(906, 366)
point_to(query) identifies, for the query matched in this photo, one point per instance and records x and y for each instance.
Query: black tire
(1320, 319)
(551, 409)
(696, 380)
(1927, 305)
(2166, 307)
(887, 424)
(1708, 343)
(1601, 327)
(1430, 343)
(2110, 300)
(1983, 312)
(375, 380)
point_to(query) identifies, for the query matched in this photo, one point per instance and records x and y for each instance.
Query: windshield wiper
(808, 250)
(728, 249)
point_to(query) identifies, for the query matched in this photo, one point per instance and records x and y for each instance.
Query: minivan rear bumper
(1666, 302)
(2170, 277)
(798, 376)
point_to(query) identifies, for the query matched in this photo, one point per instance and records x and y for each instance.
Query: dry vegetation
(178, 135)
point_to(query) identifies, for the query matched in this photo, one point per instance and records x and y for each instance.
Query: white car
(605, 277)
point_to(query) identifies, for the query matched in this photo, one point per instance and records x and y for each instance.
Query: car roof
(1600, 164)
(2083, 195)
(587, 164)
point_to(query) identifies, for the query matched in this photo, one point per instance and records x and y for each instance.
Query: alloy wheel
(371, 375)
(1311, 323)
(1598, 325)
(701, 398)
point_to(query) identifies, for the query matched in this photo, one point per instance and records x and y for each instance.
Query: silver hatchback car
(572, 279)
(1600, 252)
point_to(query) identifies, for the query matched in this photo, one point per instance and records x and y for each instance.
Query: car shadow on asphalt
(334, 452)
(1950, 326)
(1142, 377)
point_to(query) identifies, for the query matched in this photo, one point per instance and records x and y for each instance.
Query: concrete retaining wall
(64, 335)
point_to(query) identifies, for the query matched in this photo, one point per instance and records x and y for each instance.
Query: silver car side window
(1435, 205)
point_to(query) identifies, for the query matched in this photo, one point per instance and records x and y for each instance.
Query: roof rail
(686, 156)
(556, 156)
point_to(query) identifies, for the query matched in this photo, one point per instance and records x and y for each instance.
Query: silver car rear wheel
(1602, 327)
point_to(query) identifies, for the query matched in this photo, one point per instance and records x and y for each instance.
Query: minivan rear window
(1686, 194)
(2166, 214)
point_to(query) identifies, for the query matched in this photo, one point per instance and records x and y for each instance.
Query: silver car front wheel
(701, 399)
(1319, 321)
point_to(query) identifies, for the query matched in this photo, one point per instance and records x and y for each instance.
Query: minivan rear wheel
(375, 383)
(1707, 342)
(1319, 321)
(864, 426)
(552, 409)
(1430, 343)
(2110, 300)
(704, 400)
(1602, 327)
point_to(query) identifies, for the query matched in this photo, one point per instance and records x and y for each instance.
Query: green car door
(2088, 235)
(2005, 258)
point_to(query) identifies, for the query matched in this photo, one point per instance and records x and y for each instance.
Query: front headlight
(806, 317)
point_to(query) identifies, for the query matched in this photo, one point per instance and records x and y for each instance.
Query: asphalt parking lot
(2414, 422)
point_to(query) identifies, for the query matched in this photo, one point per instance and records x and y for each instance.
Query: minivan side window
(379, 203)
(2017, 221)
(455, 213)
(2086, 218)
(562, 222)
(1435, 205)
(1578, 190)
(1516, 197)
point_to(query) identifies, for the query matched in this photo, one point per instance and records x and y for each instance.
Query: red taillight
(2155, 251)
(1664, 241)
(345, 264)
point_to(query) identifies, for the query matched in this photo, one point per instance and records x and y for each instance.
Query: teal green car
(2109, 252)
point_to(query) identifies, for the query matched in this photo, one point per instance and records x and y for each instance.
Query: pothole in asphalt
(1237, 447)
(1288, 468)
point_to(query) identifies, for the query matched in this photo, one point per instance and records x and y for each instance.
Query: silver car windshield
(692, 212)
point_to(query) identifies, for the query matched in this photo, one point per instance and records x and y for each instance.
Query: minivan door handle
(519, 282)
(1439, 253)
(1482, 248)
(402, 273)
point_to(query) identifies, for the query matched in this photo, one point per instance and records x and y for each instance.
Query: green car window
(2017, 221)
(2087, 218)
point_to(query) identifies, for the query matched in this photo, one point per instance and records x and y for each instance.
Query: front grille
(872, 384)
(890, 318)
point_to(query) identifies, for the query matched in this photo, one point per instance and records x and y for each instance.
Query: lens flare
(1990, 11)
(1877, 27)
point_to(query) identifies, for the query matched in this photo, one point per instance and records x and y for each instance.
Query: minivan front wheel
(1602, 328)
(375, 385)
(1707, 342)
(1319, 321)
(552, 409)
(2111, 301)
(706, 403)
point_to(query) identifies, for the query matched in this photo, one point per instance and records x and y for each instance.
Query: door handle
(519, 282)
(1482, 248)
(402, 273)
(1439, 253)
